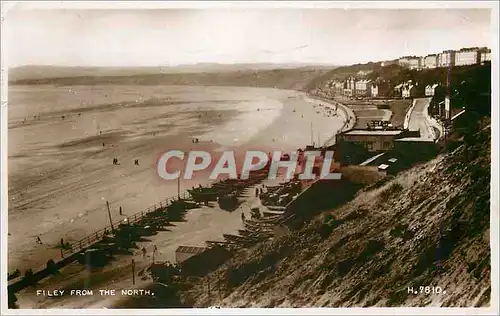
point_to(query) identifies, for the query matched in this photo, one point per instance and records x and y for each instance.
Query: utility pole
(447, 100)
(110, 220)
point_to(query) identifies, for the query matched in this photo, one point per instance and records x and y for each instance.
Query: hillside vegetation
(428, 226)
(286, 78)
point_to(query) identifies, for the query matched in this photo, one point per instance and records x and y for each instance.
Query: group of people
(259, 191)
(144, 251)
(195, 140)
(115, 160)
(35, 118)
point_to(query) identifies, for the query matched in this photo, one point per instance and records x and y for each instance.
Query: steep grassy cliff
(429, 226)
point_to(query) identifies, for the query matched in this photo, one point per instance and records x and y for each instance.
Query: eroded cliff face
(429, 226)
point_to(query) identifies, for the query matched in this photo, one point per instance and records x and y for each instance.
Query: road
(419, 121)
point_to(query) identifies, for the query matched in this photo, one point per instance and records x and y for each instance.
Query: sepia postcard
(273, 157)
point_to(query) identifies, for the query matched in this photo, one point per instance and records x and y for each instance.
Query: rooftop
(414, 139)
(373, 132)
(383, 166)
(190, 249)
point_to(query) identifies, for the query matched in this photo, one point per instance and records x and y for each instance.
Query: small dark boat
(244, 232)
(239, 239)
(273, 188)
(204, 196)
(228, 202)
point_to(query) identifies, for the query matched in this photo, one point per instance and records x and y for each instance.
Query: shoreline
(286, 124)
(349, 117)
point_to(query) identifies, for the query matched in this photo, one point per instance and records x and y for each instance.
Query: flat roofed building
(403, 61)
(466, 56)
(414, 63)
(484, 55)
(446, 58)
(430, 61)
(371, 140)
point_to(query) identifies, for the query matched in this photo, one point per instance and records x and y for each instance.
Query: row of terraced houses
(355, 87)
(448, 58)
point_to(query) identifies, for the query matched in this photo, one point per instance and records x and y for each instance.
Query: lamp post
(179, 184)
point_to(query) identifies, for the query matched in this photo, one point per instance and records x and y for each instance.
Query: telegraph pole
(447, 101)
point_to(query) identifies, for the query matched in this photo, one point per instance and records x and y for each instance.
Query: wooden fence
(96, 236)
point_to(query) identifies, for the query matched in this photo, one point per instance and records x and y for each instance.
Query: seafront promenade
(346, 112)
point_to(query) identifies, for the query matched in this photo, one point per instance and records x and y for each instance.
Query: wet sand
(60, 175)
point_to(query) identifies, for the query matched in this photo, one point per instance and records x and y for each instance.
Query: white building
(363, 87)
(338, 87)
(467, 56)
(484, 55)
(446, 58)
(398, 88)
(403, 61)
(412, 62)
(430, 89)
(374, 90)
(350, 87)
(430, 61)
(407, 90)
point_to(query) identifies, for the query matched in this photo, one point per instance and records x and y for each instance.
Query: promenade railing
(89, 240)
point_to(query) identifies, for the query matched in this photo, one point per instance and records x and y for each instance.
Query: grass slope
(429, 226)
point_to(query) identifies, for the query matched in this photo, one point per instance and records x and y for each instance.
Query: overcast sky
(184, 36)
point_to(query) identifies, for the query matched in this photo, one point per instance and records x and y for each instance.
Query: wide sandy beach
(60, 158)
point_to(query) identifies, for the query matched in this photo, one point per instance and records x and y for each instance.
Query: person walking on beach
(121, 212)
(256, 192)
(38, 240)
(144, 252)
(136, 162)
(243, 217)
